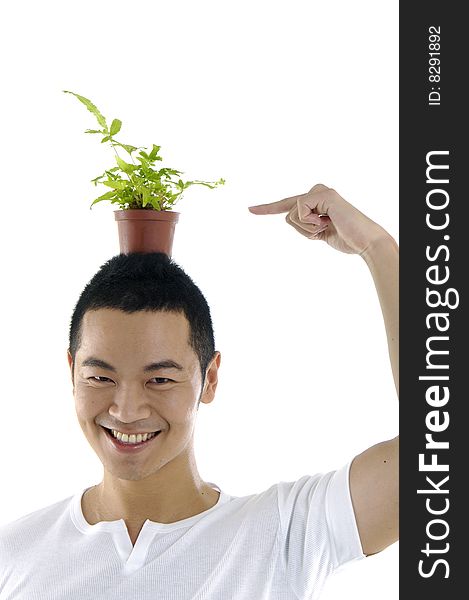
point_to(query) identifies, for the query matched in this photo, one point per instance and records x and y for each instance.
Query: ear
(70, 364)
(211, 379)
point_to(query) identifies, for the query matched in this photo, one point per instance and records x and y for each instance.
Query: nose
(129, 405)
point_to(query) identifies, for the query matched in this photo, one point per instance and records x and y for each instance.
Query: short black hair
(147, 282)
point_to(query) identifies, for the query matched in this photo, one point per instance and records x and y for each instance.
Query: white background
(272, 96)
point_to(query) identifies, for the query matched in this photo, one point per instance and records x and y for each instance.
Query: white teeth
(132, 438)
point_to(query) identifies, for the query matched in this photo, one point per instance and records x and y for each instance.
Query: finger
(312, 217)
(305, 229)
(320, 235)
(306, 232)
(312, 235)
(275, 207)
(318, 188)
(314, 223)
(314, 203)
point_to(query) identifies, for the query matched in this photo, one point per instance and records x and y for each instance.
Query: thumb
(275, 207)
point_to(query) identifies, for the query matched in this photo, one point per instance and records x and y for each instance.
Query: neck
(172, 493)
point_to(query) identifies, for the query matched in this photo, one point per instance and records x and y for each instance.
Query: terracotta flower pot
(144, 230)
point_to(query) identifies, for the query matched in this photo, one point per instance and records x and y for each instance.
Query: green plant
(137, 185)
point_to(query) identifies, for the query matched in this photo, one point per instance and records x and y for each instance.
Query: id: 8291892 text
(434, 75)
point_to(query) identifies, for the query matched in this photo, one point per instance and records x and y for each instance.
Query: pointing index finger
(274, 208)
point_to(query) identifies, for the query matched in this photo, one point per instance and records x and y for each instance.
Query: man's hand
(321, 214)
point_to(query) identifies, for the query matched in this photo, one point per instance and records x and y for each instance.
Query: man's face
(118, 384)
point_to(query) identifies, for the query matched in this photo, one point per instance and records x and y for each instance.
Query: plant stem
(114, 148)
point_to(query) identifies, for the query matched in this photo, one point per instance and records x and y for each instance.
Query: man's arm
(382, 258)
(376, 469)
(322, 214)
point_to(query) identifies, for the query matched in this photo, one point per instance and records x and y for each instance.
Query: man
(142, 358)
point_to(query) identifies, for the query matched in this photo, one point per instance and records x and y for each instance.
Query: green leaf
(115, 126)
(154, 202)
(126, 167)
(111, 176)
(91, 107)
(106, 196)
(209, 185)
(95, 181)
(94, 131)
(105, 139)
(168, 172)
(138, 180)
(154, 152)
(117, 185)
(129, 148)
(146, 196)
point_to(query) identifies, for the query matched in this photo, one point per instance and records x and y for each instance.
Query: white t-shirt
(280, 544)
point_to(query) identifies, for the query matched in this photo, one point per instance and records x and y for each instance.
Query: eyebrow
(166, 363)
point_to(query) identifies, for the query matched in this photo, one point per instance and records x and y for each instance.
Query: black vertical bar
(434, 236)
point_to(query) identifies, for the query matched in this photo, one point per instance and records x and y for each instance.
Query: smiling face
(136, 373)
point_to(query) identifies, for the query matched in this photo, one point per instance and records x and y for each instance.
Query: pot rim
(145, 214)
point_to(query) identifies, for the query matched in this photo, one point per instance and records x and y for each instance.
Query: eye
(99, 379)
(160, 380)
